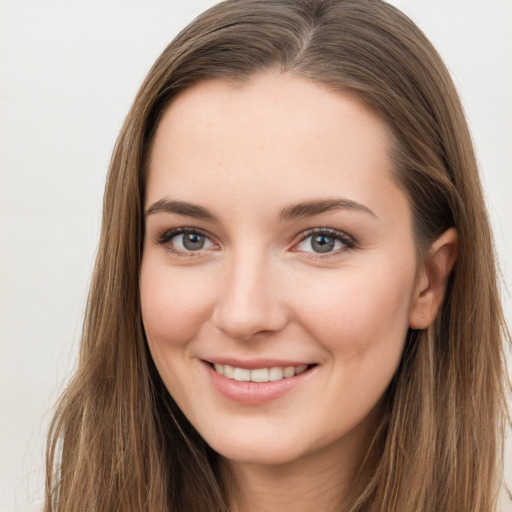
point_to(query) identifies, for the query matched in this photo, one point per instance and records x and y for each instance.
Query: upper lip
(253, 364)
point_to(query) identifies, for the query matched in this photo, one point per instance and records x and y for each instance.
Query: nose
(250, 299)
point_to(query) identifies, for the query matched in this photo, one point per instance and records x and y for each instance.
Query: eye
(185, 240)
(190, 241)
(324, 241)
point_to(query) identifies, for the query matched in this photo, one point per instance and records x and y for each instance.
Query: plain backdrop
(69, 70)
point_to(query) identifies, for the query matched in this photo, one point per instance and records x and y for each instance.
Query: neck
(318, 481)
(276, 489)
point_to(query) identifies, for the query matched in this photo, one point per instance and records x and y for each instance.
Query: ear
(432, 279)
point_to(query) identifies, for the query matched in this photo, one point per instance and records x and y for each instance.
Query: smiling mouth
(271, 374)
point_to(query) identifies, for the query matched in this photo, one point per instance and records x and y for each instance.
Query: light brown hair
(118, 440)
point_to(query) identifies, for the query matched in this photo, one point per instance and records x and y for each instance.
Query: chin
(267, 455)
(250, 449)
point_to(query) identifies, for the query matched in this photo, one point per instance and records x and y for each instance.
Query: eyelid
(348, 241)
(167, 235)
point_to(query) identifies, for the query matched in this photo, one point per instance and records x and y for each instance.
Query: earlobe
(432, 279)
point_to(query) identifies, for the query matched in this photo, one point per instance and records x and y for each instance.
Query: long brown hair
(119, 442)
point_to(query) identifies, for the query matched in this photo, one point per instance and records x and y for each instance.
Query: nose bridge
(249, 300)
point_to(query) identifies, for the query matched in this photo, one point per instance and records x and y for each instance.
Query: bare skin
(276, 236)
(319, 482)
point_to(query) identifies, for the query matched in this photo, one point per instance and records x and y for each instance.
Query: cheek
(362, 324)
(363, 314)
(173, 307)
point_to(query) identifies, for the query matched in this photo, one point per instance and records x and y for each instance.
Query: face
(279, 273)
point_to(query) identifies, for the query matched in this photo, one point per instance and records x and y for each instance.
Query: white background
(69, 70)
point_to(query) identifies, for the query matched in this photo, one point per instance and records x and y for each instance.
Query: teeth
(289, 371)
(242, 374)
(275, 373)
(301, 369)
(260, 374)
(229, 371)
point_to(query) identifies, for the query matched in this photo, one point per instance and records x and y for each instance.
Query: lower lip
(255, 393)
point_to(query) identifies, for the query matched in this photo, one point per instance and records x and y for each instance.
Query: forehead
(279, 136)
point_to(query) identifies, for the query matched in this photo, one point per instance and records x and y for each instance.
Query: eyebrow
(295, 211)
(180, 208)
(316, 207)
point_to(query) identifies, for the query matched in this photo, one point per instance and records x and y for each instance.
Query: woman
(294, 303)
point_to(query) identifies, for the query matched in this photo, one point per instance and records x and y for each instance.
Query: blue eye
(324, 241)
(185, 240)
(191, 241)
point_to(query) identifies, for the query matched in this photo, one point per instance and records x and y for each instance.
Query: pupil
(193, 241)
(322, 243)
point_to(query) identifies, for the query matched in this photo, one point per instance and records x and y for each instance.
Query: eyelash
(168, 235)
(347, 241)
